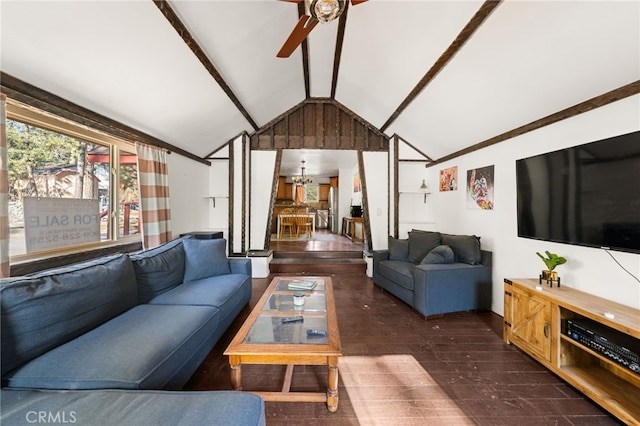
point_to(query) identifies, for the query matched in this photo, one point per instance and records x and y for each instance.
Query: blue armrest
(240, 265)
(380, 255)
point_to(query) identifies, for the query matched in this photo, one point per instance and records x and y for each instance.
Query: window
(70, 187)
(313, 193)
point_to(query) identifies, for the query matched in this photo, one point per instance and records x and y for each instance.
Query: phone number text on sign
(57, 222)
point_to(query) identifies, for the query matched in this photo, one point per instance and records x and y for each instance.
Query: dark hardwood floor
(398, 369)
(323, 240)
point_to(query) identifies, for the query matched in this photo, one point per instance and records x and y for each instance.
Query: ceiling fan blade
(299, 33)
(357, 2)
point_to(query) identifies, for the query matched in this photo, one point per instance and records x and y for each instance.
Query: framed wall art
(357, 183)
(449, 179)
(480, 185)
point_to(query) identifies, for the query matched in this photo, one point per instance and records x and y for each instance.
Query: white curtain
(153, 184)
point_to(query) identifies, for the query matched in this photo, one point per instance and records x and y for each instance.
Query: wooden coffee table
(265, 339)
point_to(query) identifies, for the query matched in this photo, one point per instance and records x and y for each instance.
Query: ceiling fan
(319, 11)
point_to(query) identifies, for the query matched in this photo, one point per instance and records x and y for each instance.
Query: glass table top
(271, 329)
(311, 315)
(301, 284)
(312, 302)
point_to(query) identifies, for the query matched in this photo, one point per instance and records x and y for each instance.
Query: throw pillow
(205, 258)
(398, 249)
(421, 243)
(465, 247)
(440, 254)
(158, 269)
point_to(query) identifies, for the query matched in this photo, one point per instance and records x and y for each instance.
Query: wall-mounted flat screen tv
(586, 195)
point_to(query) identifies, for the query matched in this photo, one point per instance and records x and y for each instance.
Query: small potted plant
(552, 260)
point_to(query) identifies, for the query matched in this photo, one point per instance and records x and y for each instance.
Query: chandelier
(302, 179)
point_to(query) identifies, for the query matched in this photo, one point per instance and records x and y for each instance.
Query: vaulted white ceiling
(124, 60)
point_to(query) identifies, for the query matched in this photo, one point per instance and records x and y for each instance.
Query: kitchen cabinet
(323, 192)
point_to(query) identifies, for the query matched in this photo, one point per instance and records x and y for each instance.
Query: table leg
(332, 388)
(236, 373)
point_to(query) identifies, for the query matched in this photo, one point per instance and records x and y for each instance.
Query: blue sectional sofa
(111, 338)
(435, 273)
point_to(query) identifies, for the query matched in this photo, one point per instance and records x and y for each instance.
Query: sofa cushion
(215, 291)
(398, 249)
(440, 254)
(466, 248)
(400, 272)
(128, 407)
(50, 308)
(205, 258)
(140, 349)
(421, 243)
(158, 269)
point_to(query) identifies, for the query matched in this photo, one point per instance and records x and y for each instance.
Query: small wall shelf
(416, 192)
(213, 198)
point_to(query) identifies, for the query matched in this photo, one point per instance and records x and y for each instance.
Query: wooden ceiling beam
(188, 39)
(472, 26)
(342, 23)
(305, 56)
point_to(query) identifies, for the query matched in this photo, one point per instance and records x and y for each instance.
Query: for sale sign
(58, 222)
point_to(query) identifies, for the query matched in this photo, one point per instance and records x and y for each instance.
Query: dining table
(312, 216)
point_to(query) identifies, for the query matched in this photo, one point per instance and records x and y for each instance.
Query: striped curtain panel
(4, 191)
(153, 184)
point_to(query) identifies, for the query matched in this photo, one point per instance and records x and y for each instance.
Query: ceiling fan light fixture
(326, 10)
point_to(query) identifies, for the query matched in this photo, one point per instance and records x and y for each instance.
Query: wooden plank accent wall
(319, 124)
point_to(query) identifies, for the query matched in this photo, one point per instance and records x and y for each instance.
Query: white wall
(588, 269)
(345, 193)
(219, 188)
(188, 187)
(375, 168)
(262, 167)
(413, 211)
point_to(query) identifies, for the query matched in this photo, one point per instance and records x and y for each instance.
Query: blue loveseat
(435, 273)
(110, 340)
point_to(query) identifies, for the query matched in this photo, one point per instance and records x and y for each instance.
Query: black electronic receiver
(619, 347)
(292, 319)
(316, 333)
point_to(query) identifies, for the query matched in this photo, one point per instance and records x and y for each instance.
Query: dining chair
(287, 221)
(303, 222)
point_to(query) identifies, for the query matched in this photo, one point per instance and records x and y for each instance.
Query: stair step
(318, 268)
(300, 261)
(317, 255)
(318, 262)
